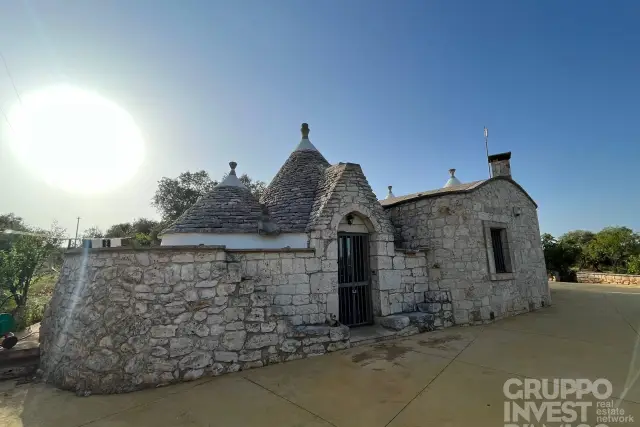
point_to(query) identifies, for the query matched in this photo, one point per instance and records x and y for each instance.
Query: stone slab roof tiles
(228, 208)
(462, 188)
(430, 193)
(290, 195)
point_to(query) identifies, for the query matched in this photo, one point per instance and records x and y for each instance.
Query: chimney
(500, 164)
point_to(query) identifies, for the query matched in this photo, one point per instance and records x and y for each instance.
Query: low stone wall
(609, 278)
(122, 319)
(440, 305)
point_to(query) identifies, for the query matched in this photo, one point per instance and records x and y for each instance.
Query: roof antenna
(486, 147)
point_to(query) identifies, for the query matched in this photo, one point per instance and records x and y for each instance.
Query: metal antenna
(486, 147)
(77, 228)
(13, 83)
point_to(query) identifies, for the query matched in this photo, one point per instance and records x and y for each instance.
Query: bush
(39, 295)
(33, 313)
(633, 264)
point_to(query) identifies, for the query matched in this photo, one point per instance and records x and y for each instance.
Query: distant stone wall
(609, 278)
(453, 228)
(122, 319)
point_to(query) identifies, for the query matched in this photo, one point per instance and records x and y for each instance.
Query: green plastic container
(7, 323)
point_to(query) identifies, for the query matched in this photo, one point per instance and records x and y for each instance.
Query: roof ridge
(323, 195)
(462, 188)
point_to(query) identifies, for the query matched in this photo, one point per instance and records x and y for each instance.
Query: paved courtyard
(447, 378)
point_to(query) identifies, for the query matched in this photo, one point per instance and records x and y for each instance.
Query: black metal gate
(354, 286)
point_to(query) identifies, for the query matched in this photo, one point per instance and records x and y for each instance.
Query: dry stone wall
(608, 278)
(452, 228)
(122, 319)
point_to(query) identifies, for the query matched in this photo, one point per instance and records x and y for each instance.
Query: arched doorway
(354, 273)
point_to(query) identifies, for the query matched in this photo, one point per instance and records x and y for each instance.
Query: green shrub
(39, 295)
(633, 264)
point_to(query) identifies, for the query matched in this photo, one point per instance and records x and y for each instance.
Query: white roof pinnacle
(453, 180)
(231, 179)
(390, 195)
(304, 143)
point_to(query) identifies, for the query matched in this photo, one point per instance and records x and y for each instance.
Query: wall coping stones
(184, 248)
(146, 249)
(308, 250)
(600, 273)
(608, 278)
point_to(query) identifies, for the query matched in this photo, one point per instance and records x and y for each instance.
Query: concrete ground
(453, 377)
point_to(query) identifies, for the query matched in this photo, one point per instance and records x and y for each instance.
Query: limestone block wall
(398, 280)
(122, 319)
(452, 227)
(609, 278)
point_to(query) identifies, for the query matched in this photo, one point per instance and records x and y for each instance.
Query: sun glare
(75, 140)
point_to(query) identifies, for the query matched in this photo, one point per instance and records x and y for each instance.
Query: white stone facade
(453, 228)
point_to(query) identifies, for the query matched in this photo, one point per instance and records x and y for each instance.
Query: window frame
(505, 235)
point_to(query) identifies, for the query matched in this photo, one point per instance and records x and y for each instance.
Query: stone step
(394, 322)
(419, 318)
(428, 307)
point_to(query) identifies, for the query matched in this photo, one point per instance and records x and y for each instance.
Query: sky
(402, 88)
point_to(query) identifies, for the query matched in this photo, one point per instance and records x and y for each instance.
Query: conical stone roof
(228, 208)
(290, 195)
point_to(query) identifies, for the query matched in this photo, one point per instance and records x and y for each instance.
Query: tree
(576, 241)
(578, 237)
(92, 233)
(12, 222)
(9, 224)
(612, 247)
(124, 229)
(559, 256)
(25, 262)
(175, 195)
(144, 225)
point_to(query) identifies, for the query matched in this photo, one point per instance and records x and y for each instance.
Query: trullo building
(241, 283)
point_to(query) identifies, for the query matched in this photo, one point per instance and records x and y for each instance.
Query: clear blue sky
(402, 88)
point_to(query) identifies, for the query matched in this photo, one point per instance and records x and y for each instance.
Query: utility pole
(77, 228)
(486, 147)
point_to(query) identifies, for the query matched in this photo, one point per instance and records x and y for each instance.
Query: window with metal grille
(499, 254)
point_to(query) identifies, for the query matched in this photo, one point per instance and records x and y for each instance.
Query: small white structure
(452, 180)
(390, 194)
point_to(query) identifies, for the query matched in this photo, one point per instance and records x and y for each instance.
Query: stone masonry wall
(452, 227)
(122, 319)
(398, 280)
(609, 278)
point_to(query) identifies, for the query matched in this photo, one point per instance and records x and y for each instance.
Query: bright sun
(75, 140)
